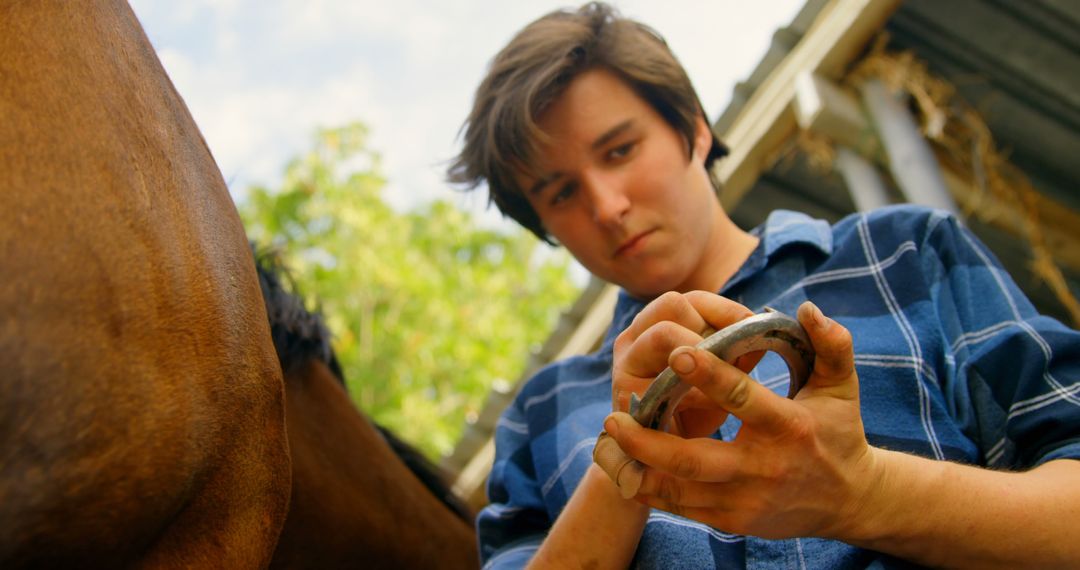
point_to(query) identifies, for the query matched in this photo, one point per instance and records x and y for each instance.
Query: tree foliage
(427, 308)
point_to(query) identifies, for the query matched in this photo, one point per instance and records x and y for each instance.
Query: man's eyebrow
(599, 142)
(544, 181)
(612, 133)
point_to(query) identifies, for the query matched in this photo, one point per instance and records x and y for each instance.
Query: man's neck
(729, 249)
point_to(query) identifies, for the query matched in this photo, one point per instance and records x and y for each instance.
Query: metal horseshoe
(770, 330)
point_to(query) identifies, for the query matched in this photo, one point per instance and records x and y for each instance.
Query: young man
(587, 130)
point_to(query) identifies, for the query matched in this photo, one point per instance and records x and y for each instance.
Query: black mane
(300, 335)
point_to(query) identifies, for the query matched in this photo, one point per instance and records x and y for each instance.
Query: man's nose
(607, 198)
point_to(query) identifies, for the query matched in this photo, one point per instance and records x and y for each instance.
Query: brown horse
(354, 502)
(142, 412)
(141, 404)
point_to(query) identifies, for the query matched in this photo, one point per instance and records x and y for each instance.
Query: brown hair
(501, 134)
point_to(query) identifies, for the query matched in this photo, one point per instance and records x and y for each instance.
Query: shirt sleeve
(514, 523)
(1016, 389)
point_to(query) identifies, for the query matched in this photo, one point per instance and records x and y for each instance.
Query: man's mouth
(631, 244)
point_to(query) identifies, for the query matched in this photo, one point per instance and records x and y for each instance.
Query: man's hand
(797, 467)
(671, 321)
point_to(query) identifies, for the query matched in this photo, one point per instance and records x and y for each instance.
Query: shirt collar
(782, 229)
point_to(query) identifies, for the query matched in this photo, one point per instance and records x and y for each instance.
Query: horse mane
(300, 335)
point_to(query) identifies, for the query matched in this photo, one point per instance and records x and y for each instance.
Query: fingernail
(820, 320)
(611, 426)
(682, 362)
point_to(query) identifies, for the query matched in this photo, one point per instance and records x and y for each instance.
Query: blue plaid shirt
(953, 361)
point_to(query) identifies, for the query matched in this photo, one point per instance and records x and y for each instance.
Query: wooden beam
(842, 29)
(862, 179)
(912, 162)
(824, 108)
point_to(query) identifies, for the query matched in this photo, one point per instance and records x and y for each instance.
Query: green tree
(427, 308)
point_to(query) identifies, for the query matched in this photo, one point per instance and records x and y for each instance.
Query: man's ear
(703, 138)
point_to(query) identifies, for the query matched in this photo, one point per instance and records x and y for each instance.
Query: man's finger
(834, 364)
(698, 422)
(699, 311)
(671, 307)
(656, 484)
(718, 311)
(700, 459)
(731, 388)
(647, 355)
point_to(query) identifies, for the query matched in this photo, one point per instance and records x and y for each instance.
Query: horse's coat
(354, 502)
(141, 403)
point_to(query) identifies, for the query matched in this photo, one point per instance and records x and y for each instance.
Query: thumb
(834, 364)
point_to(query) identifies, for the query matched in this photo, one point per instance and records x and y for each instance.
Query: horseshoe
(770, 330)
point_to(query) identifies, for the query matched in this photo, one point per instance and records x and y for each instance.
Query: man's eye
(621, 151)
(562, 194)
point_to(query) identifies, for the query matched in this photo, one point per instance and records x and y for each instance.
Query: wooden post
(824, 108)
(867, 190)
(913, 164)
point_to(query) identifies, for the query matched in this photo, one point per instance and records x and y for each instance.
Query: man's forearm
(945, 514)
(596, 529)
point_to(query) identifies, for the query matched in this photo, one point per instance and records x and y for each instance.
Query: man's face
(619, 189)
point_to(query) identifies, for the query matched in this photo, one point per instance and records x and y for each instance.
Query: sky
(260, 76)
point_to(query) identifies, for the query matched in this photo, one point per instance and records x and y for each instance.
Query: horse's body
(141, 403)
(354, 502)
(142, 410)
